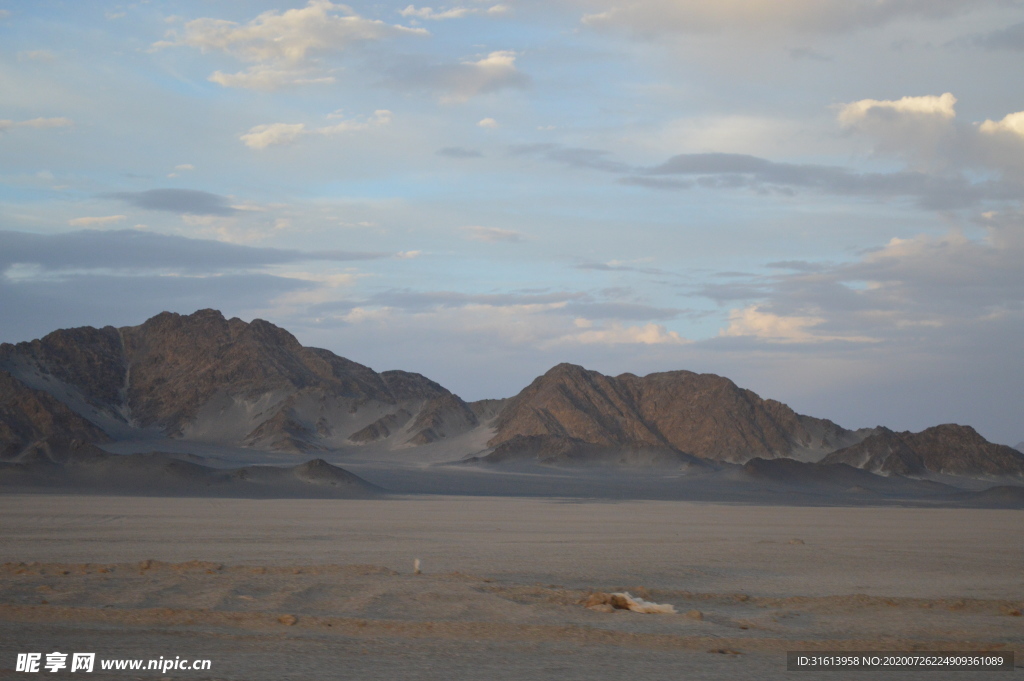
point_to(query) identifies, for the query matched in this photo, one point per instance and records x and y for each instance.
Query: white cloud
(408, 255)
(268, 78)
(508, 320)
(184, 167)
(272, 134)
(38, 123)
(328, 287)
(93, 221)
(457, 83)
(753, 321)
(496, 66)
(380, 117)
(942, 106)
(291, 36)
(492, 234)
(617, 333)
(1012, 124)
(489, 123)
(921, 130)
(283, 45)
(647, 17)
(471, 78)
(924, 132)
(1000, 145)
(924, 293)
(276, 134)
(431, 14)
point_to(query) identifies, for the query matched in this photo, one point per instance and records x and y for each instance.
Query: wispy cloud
(138, 250)
(42, 56)
(621, 334)
(37, 123)
(431, 14)
(94, 221)
(276, 134)
(492, 234)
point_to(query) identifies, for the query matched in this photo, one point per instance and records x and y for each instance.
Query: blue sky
(818, 199)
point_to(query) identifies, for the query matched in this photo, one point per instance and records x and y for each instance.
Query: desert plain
(325, 588)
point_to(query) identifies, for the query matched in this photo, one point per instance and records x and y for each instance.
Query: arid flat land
(324, 589)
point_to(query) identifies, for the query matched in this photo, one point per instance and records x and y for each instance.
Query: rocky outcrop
(949, 449)
(700, 414)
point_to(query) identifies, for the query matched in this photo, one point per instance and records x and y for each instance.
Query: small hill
(949, 449)
(86, 468)
(555, 450)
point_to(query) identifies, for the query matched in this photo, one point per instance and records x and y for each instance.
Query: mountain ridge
(205, 378)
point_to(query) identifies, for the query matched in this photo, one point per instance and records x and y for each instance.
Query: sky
(822, 200)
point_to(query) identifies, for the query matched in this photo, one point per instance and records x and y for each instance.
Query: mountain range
(202, 378)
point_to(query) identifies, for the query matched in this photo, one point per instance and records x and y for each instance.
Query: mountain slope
(32, 420)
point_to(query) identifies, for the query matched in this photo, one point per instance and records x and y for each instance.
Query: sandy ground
(501, 584)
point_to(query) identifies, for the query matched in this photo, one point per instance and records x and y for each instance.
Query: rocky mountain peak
(88, 359)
